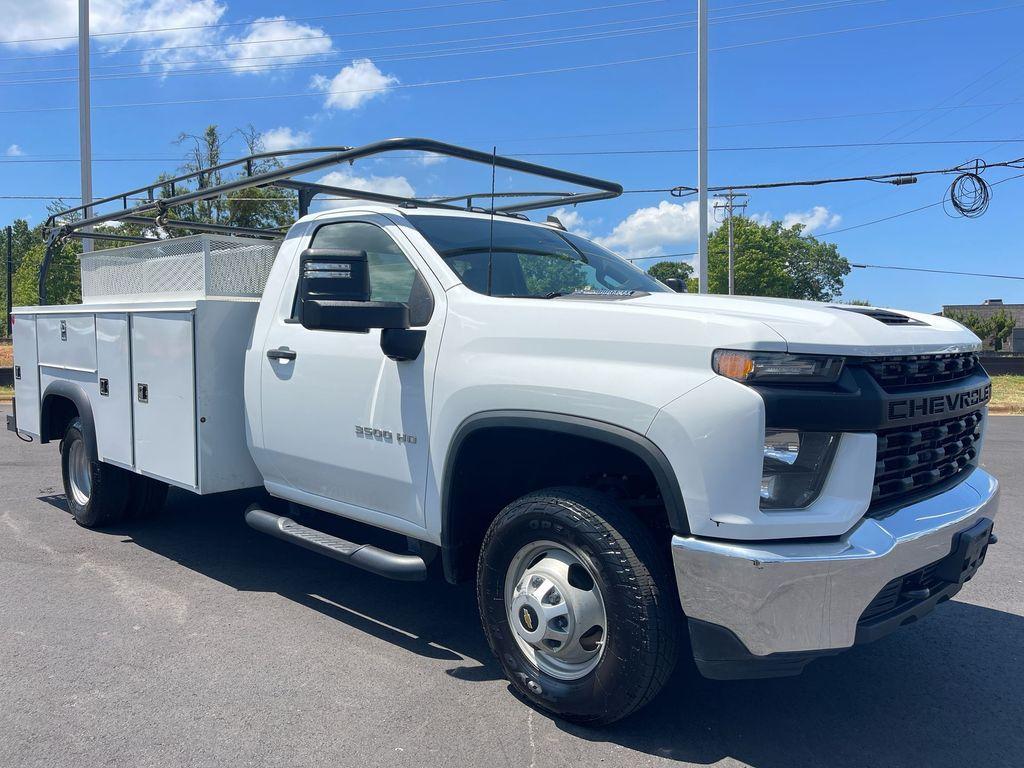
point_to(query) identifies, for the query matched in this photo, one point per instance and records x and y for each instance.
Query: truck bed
(164, 380)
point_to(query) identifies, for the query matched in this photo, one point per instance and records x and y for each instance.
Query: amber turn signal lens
(734, 365)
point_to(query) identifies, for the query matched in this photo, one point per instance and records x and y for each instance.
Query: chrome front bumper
(799, 597)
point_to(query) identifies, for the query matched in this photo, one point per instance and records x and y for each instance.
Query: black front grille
(903, 592)
(897, 373)
(911, 460)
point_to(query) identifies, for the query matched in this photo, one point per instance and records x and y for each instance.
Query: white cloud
(179, 26)
(649, 231)
(427, 159)
(14, 151)
(354, 85)
(388, 185)
(277, 139)
(57, 20)
(573, 221)
(275, 37)
(818, 217)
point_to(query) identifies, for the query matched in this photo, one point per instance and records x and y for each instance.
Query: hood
(818, 327)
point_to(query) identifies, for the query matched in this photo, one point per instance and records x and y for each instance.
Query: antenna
(490, 244)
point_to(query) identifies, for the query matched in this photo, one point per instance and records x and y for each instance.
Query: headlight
(776, 367)
(795, 467)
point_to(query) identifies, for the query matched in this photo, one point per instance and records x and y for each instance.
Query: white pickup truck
(629, 473)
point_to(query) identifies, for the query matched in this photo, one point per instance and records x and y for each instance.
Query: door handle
(282, 353)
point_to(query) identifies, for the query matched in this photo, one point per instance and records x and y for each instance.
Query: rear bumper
(761, 609)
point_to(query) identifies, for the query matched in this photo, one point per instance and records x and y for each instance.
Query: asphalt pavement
(191, 640)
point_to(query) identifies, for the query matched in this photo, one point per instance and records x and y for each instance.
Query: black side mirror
(675, 284)
(334, 293)
(332, 315)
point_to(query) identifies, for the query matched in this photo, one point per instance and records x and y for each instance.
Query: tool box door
(112, 408)
(26, 374)
(163, 396)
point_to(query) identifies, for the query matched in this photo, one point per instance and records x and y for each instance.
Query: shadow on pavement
(946, 691)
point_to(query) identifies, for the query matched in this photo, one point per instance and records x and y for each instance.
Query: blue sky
(553, 78)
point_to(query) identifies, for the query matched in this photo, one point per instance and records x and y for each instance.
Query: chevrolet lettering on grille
(936, 405)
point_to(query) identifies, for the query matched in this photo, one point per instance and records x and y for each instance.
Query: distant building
(989, 307)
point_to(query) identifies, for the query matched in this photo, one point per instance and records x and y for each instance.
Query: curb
(1003, 410)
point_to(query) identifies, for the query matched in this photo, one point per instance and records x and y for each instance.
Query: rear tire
(578, 548)
(146, 497)
(97, 493)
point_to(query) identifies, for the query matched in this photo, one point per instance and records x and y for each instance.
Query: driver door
(346, 427)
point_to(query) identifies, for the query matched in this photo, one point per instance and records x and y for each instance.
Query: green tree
(22, 238)
(265, 208)
(63, 284)
(1003, 324)
(669, 270)
(550, 273)
(772, 260)
(993, 330)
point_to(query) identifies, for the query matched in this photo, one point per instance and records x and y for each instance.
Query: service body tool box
(158, 348)
(164, 381)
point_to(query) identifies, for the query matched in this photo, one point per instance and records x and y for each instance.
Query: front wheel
(97, 493)
(578, 605)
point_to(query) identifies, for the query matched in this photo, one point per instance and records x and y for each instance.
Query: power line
(182, 70)
(357, 51)
(422, 28)
(905, 213)
(255, 22)
(898, 179)
(936, 271)
(347, 57)
(504, 76)
(278, 40)
(30, 159)
(768, 148)
(668, 256)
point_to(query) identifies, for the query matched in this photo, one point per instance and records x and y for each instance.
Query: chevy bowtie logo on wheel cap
(528, 618)
(934, 405)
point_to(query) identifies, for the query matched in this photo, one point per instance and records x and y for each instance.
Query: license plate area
(969, 550)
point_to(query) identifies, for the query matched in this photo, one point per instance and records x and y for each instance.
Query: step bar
(365, 556)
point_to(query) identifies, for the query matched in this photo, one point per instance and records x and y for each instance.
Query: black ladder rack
(59, 229)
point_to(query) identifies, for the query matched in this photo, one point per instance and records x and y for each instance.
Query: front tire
(96, 492)
(578, 605)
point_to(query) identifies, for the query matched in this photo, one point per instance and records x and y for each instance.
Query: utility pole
(84, 112)
(728, 202)
(702, 145)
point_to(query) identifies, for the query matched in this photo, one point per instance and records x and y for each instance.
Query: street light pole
(702, 145)
(84, 112)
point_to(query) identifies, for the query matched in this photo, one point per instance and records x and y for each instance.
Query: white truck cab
(613, 462)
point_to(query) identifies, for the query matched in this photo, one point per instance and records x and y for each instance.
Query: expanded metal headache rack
(124, 271)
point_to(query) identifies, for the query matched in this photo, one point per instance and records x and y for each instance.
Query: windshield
(528, 261)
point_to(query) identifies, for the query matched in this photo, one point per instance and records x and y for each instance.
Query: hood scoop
(882, 315)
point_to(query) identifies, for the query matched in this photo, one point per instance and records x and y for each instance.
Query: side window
(392, 277)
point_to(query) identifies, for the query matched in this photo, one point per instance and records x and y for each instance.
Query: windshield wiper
(610, 292)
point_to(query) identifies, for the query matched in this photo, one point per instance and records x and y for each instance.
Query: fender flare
(74, 392)
(620, 437)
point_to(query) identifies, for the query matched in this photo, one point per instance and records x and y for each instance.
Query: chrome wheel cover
(556, 611)
(79, 472)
